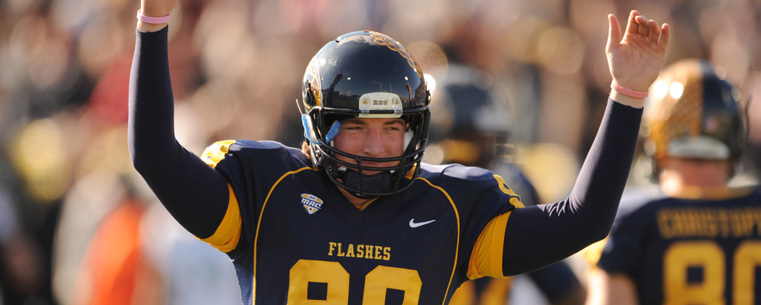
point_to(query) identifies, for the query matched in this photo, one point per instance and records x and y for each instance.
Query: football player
(472, 127)
(355, 217)
(698, 241)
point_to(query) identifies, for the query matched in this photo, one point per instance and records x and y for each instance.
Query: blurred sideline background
(77, 226)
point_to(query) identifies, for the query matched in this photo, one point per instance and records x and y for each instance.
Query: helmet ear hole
(308, 97)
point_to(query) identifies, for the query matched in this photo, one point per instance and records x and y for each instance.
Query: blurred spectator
(114, 270)
(753, 145)
(21, 263)
(193, 273)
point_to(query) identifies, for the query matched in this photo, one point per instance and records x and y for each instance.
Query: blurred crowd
(77, 226)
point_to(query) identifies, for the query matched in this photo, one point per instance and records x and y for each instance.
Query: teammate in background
(698, 243)
(472, 127)
(355, 217)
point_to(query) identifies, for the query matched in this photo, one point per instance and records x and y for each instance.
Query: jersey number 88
(377, 282)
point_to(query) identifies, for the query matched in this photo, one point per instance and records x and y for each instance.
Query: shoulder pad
(216, 152)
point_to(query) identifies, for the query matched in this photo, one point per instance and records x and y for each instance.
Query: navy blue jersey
(689, 251)
(304, 240)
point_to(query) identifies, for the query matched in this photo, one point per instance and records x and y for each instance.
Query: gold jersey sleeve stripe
(486, 258)
(227, 235)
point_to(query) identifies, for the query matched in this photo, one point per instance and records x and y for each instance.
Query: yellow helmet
(694, 113)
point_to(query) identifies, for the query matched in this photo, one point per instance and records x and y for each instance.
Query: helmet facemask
(351, 176)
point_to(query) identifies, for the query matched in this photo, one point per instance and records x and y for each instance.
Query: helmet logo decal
(311, 203)
(380, 105)
(393, 45)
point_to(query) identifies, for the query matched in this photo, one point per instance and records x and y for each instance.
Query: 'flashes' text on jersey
(359, 251)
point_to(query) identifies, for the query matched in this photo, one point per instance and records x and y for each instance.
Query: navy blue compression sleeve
(193, 192)
(542, 234)
(558, 283)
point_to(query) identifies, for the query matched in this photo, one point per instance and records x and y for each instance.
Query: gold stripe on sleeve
(226, 237)
(486, 258)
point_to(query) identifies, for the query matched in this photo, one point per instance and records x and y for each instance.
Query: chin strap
(369, 185)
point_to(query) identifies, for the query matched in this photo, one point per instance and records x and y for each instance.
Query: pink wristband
(628, 92)
(152, 20)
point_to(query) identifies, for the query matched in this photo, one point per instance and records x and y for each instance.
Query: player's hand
(636, 60)
(157, 8)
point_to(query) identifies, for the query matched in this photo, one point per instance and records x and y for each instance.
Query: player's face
(371, 137)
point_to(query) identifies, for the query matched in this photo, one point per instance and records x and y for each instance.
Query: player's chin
(367, 167)
(370, 169)
(370, 173)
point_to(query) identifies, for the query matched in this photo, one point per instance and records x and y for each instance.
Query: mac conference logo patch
(311, 203)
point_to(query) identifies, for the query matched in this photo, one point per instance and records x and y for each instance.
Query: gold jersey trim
(457, 215)
(496, 291)
(227, 235)
(486, 258)
(261, 213)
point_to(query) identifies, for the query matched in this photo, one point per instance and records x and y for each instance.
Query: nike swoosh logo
(414, 224)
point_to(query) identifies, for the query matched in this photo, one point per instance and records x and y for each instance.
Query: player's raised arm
(563, 228)
(193, 192)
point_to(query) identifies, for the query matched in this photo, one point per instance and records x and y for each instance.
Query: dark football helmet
(693, 113)
(472, 122)
(365, 75)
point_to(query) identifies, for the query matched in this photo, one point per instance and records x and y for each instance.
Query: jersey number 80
(711, 258)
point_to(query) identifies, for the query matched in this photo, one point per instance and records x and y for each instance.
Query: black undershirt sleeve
(193, 192)
(539, 235)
